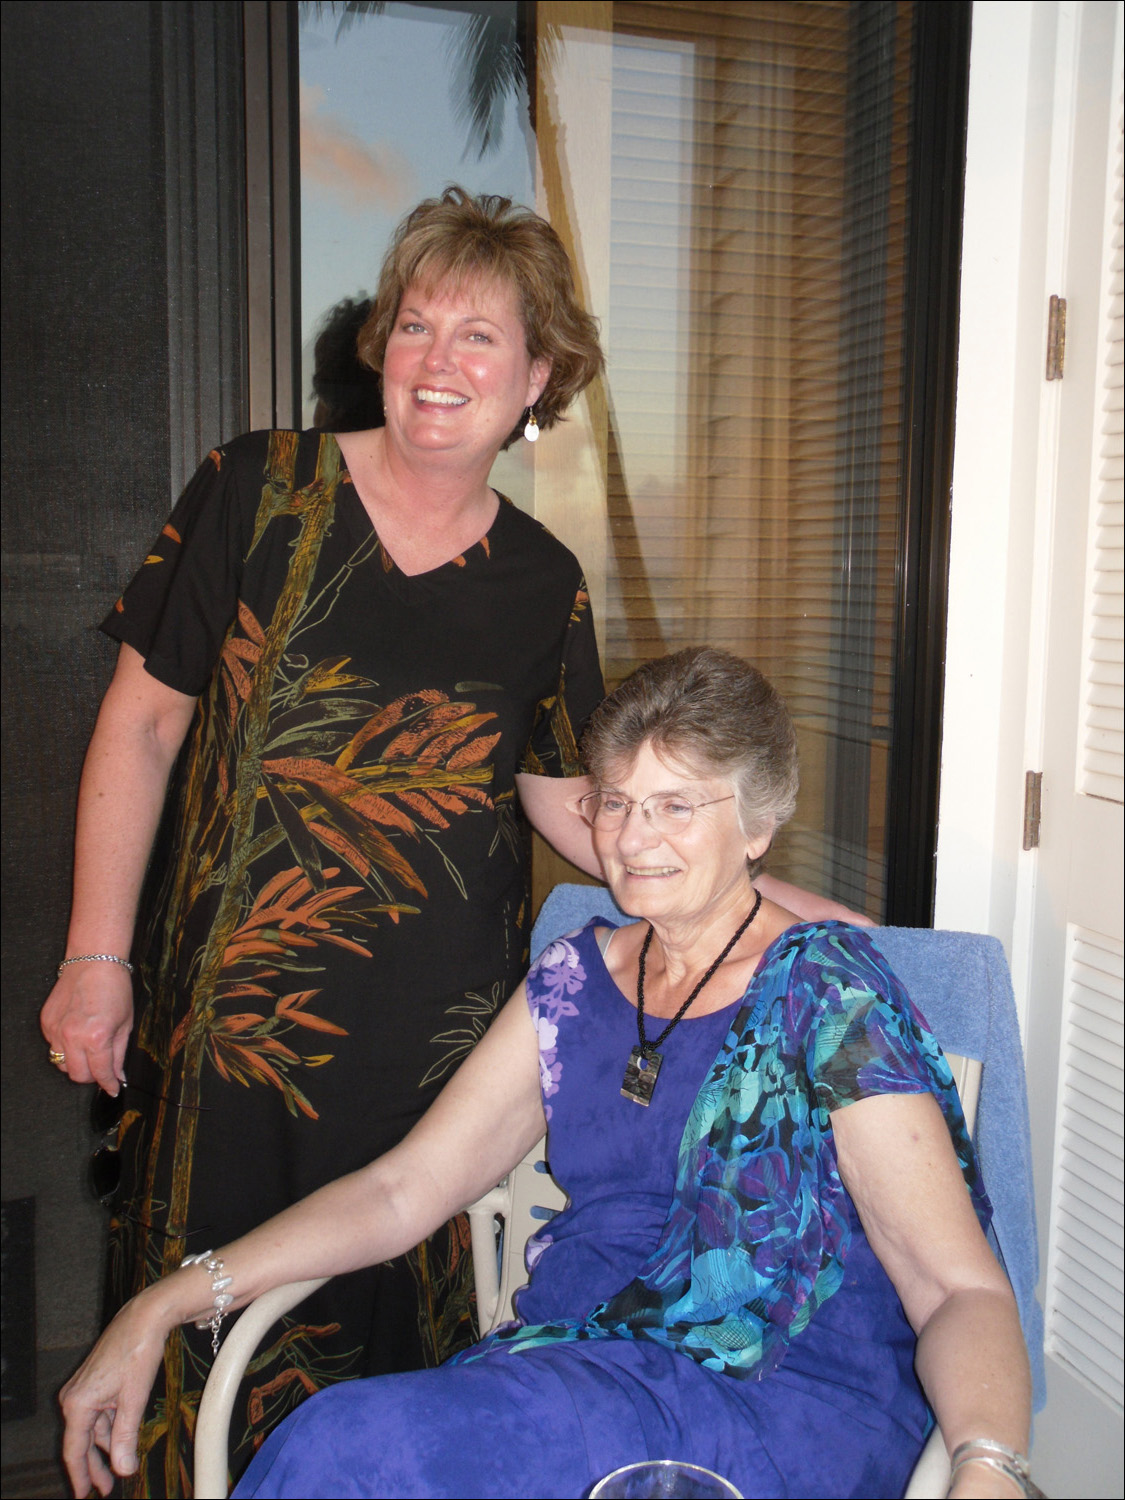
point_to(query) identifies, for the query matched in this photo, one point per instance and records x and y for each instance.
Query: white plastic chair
(526, 1198)
(517, 1207)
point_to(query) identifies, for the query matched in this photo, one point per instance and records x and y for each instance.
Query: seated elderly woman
(773, 1243)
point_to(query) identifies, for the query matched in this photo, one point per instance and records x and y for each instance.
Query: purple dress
(842, 1414)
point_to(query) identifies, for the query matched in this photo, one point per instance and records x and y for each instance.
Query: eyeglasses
(666, 812)
(103, 1172)
(110, 1119)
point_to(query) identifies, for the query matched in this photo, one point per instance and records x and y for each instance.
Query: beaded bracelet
(998, 1456)
(219, 1283)
(92, 958)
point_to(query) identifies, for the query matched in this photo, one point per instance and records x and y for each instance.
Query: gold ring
(57, 1059)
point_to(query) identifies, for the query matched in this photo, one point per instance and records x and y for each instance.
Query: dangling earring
(531, 430)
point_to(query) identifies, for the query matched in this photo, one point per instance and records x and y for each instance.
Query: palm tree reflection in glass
(490, 64)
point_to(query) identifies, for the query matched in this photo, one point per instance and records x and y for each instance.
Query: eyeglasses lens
(665, 812)
(103, 1172)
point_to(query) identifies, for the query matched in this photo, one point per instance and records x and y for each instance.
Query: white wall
(996, 644)
(1029, 463)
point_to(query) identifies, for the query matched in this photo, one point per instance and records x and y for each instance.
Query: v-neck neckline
(363, 529)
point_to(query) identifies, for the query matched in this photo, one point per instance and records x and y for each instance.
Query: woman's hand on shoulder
(88, 1017)
(806, 904)
(104, 1400)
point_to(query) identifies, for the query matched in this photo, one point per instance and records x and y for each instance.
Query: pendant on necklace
(641, 1072)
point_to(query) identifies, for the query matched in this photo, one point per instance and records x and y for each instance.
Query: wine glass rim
(664, 1463)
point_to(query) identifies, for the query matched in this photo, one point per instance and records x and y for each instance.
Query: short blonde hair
(458, 238)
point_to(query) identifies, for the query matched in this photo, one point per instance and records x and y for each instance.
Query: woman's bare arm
(484, 1121)
(551, 806)
(806, 904)
(140, 728)
(898, 1163)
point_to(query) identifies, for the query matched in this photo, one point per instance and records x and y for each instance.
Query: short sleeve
(561, 716)
(870, 1038)
(179, 605)
(557, 975)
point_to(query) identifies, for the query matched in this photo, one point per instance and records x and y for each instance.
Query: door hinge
(1032, 808)
(1056, 338)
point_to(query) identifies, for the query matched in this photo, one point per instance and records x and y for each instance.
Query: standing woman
(361, 661)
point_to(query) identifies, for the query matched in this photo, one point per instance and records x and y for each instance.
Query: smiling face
(456, 371)
(692, 876)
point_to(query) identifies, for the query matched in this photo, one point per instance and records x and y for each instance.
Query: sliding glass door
(762, 204)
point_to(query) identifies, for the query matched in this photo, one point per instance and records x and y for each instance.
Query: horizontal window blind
(760, 181)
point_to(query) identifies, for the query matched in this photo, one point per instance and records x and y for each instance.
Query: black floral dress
(338, 899)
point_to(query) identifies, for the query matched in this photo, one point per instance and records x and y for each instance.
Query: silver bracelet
(95, 958)
(222, 1298)
(998, 1456)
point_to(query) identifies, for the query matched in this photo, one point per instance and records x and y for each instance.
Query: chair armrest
(930, 1478)
(213, 1422)
(486, 1265)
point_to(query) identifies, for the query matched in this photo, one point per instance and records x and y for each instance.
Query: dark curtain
(122, 342)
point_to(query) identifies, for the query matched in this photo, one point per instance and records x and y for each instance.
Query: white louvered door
(1074, 1041)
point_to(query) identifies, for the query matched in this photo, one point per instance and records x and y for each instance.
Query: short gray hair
(715, 711)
